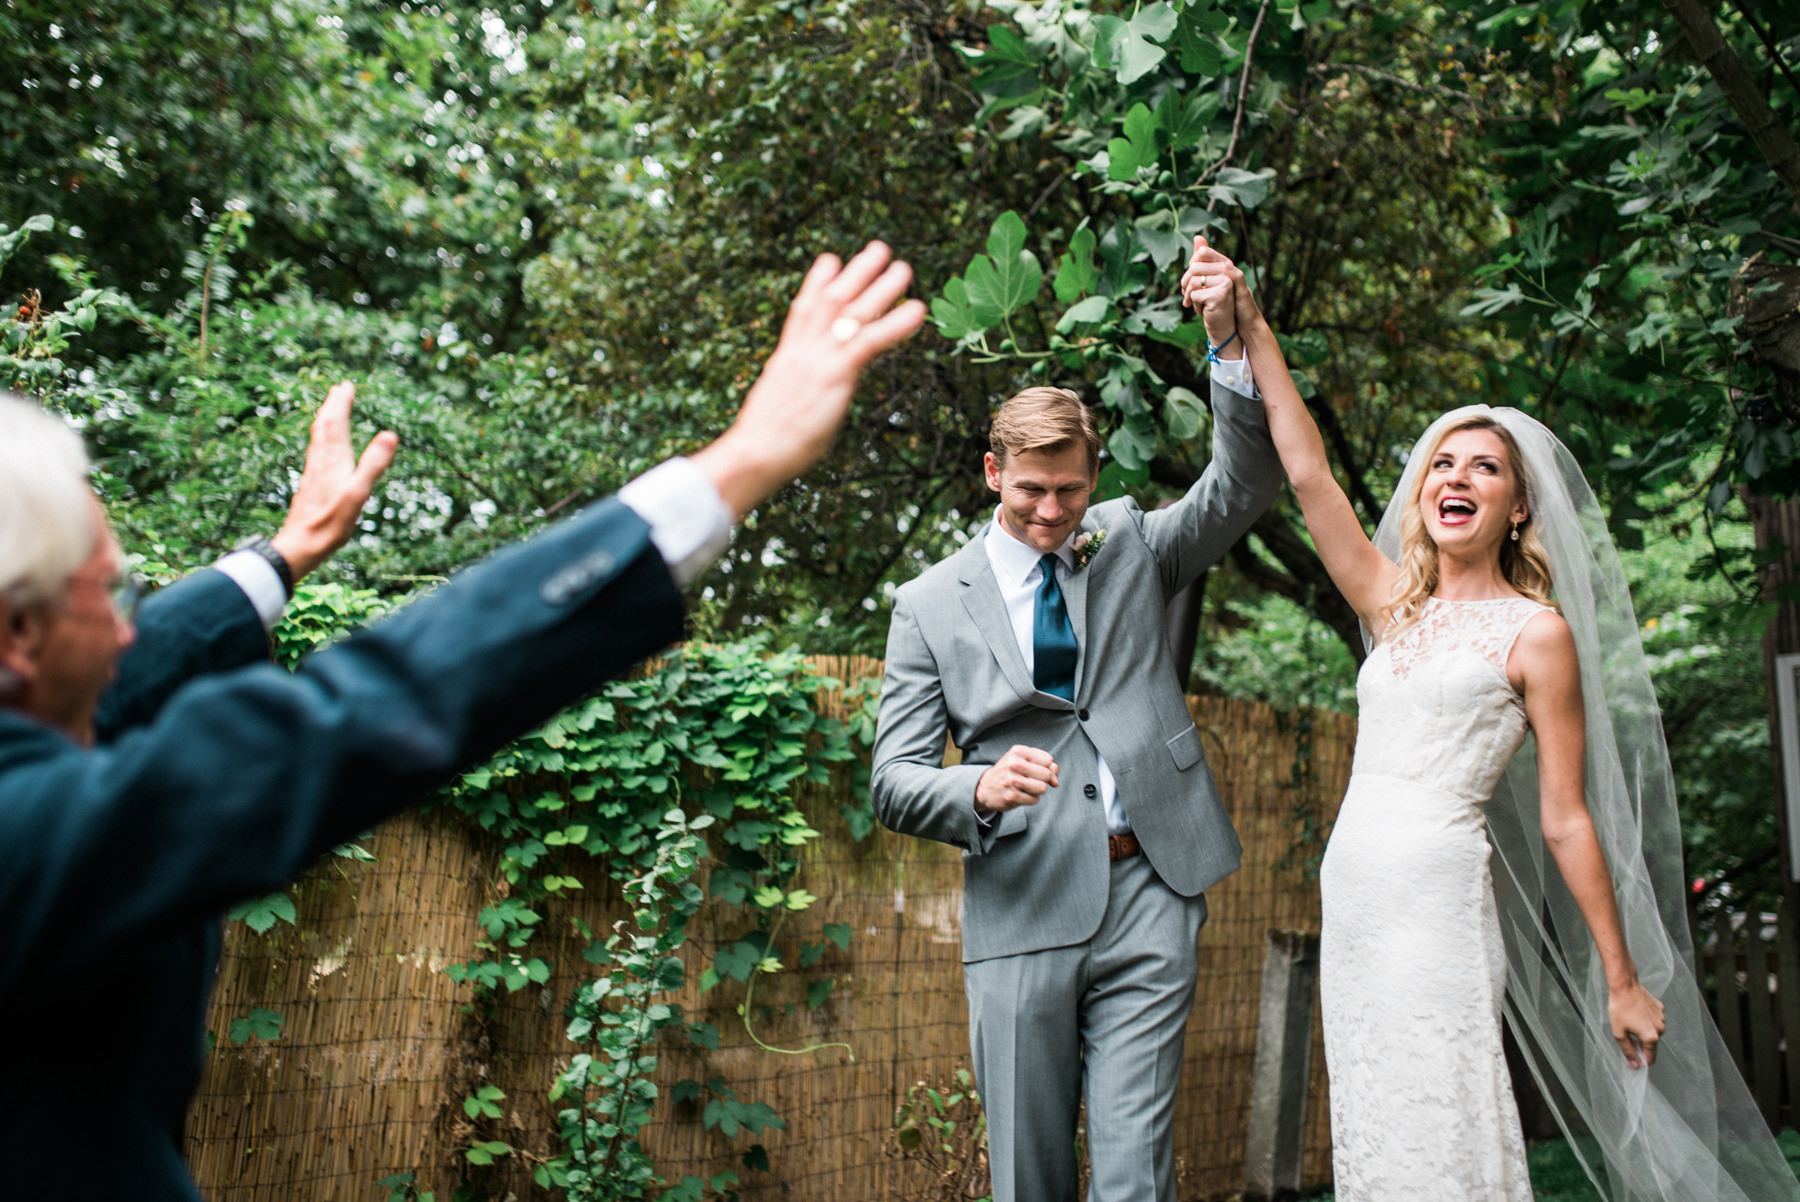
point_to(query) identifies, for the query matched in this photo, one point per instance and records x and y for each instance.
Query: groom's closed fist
(1018, 778)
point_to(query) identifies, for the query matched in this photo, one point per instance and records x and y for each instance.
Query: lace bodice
(1435, 704)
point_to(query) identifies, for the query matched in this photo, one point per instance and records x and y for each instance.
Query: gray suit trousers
(1106, 1018)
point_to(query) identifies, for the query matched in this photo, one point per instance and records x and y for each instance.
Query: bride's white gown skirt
(1412, 969)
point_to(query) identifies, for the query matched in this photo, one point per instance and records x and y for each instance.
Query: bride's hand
(1637, 1023)
(1215, 286)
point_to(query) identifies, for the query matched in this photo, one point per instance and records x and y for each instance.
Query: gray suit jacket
(1038, 878)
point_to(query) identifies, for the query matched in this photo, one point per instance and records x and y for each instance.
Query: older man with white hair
(132, 816)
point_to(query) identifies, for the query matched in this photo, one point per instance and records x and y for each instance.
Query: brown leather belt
(1122, 847)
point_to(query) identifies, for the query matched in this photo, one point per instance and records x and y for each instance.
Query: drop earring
(1515, 536)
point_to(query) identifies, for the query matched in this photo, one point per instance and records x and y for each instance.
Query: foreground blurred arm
(244, 777)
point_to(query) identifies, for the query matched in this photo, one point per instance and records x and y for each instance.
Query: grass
(1557, 1176)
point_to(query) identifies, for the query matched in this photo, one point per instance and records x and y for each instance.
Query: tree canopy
(553, 240)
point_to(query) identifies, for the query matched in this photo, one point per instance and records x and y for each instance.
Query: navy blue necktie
(1053, 647)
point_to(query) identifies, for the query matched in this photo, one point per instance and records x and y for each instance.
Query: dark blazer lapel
(1075, 596)
(981, 597)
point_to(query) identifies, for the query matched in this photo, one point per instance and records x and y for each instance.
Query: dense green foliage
(551, 239)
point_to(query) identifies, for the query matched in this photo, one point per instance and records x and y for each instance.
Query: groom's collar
(1014, 560)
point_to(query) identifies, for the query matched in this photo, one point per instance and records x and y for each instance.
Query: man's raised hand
(334, 485)
(1215, 286)
(1018, 778)
(843, 316)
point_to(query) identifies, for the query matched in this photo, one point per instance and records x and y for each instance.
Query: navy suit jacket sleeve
(244, 777)
(197, 625)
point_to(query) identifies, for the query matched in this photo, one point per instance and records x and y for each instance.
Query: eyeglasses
(125, 593)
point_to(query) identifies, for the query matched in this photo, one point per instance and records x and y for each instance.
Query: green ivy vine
(713, 738)
(709, 743)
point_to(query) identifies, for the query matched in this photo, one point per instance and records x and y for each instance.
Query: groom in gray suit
(1088, 821)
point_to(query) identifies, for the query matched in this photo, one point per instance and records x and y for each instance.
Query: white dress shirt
(1018, 569)
(690, 524)
(1235, 375)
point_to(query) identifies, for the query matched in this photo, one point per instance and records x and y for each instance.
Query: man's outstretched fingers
(375, 459)
(824, 269)
(891, 328)
(882, 292)
(863, 267)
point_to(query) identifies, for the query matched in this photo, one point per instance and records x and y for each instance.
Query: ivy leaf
(1184, 413)
(1127, 48)
(839, 933)
(1133, 443)
(485, 1153)
(1075, 272)
(1246, 189)
(738, 961)
(1187, 124)
(818, 992)
(484, 1103)
(1489, 301)
(259, 1024)
(1162, 317)
(950, 313)
(1159, 235)
(1196, 37)
(1093, 309)
(1136, 149)
(263, 912)
(1122, 272)
(1026, 119)
(1007, 278)
(1006, 72)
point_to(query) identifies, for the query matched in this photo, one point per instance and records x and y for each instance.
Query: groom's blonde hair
(1043, 419)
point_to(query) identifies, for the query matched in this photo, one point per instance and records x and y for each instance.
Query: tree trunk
(1765, 128)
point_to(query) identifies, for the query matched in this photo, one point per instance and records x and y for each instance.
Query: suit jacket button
(1089, 791)
(1082, 714)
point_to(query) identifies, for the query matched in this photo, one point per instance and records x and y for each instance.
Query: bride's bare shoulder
(1544, 652)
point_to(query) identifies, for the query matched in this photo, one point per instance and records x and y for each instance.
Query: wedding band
(845, 328)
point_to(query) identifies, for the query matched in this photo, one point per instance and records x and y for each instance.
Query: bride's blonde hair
(1523, 562)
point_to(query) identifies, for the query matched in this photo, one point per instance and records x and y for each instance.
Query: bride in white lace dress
(1468, 656)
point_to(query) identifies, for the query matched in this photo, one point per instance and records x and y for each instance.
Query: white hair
(47, 526)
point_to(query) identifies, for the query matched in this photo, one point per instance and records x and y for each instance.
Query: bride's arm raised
(1543, 665)
(1215, 285)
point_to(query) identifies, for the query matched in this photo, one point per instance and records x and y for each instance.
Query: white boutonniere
(1087, 546)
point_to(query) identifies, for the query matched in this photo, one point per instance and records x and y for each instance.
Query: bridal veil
(1686, 1129)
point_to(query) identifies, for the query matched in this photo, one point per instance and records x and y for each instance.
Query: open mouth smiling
(1454, 511)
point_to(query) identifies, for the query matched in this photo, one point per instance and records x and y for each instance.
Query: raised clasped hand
(1215, 286)
(334, 485)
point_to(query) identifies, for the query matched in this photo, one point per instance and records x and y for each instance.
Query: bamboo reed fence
(377, 1054)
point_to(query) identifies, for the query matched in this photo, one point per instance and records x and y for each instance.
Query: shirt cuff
(1235, 375)
(689, 522)
(260, 582)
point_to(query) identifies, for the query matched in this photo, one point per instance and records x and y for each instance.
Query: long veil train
(1685, 1130)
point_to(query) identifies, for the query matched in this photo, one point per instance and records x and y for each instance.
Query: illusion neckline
(1477, 600)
